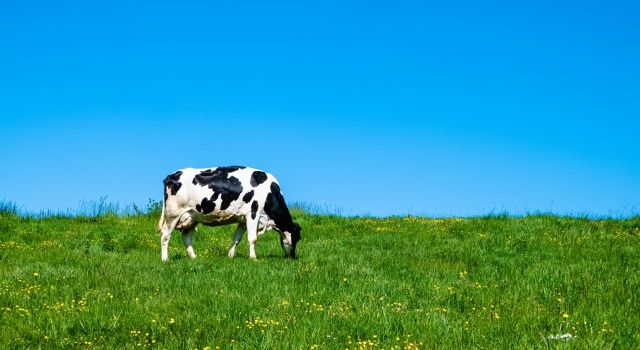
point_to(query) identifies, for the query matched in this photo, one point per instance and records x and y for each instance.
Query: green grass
(492, 282)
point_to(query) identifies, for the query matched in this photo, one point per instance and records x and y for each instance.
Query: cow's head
(289, 240)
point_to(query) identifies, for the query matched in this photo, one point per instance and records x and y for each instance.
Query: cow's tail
(162, 219)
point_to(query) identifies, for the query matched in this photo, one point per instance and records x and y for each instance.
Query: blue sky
(380, 108)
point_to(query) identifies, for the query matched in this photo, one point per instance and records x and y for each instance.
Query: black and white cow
(225, 195)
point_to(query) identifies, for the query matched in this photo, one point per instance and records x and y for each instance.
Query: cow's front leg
(252, 237)
(237, 237)
(186, 238)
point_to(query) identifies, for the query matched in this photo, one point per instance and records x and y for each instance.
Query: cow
(225, 195)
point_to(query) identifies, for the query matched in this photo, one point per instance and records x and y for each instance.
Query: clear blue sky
(434, 108)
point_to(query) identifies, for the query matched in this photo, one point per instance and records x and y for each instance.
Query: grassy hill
(359, 283)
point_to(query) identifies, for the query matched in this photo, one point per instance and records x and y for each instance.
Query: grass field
(493, 282)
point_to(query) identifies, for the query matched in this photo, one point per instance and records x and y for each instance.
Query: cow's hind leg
(165, 236)
(237, 237)
(171, 223)
(186, 238)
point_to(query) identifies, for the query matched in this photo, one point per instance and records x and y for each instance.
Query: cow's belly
(192, 218)
(219, 218)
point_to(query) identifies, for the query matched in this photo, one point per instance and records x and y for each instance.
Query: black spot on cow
(229, 169)
(254, 209)
(223, 185)
(207, 205)
(172, 183)
(229, 192)
(258, 177)
(247, 197)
